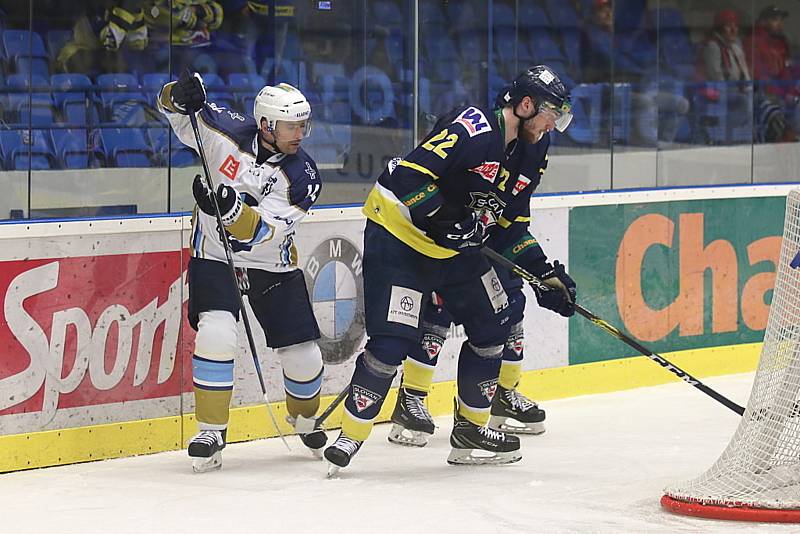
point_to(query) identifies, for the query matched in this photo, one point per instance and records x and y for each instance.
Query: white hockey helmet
(282, 102)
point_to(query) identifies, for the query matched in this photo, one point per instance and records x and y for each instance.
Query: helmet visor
(562, 113)
(292, 128)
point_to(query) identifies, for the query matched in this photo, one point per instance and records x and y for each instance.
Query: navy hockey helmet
(546, 89)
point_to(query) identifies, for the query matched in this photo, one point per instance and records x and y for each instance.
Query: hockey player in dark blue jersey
(265, 183)
(510, 411)
(428, 214)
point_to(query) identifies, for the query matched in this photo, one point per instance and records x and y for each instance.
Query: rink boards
(96, 349)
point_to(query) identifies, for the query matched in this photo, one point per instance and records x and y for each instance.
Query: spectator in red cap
(722, 61)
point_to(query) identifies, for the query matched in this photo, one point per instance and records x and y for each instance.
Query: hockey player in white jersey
(265, 183)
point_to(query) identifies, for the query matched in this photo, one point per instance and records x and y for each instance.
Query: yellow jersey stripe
(418, 168)
(384, 208)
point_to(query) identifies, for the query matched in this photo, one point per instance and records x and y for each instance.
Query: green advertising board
(674, 275)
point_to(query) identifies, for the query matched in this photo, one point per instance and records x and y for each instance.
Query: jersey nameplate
(474, 121)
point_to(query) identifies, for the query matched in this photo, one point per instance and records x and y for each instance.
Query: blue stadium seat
(587, 108)
(677, 53)
(121, 97)
(432, 17)
(470, 47)
(152, 82)
(17, 145)
(36, 66)
(532, 17)
(544, 48)
(21, 43)
(563, 15)
(621, 120)
(442, 55)
(386, 13)
(217, 91)
(73, 91)
(168, 148)
(38, 109)
(56, 39)
(75, 148)
(125, 147)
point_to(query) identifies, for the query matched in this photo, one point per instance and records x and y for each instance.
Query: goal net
(757, 477)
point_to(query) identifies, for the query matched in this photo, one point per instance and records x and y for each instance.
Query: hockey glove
(188, 94)
(561, 299)
(230, 204)
(459, 235)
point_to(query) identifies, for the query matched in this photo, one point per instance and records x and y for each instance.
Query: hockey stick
(660, 360)
(232, 270)
(304, 425)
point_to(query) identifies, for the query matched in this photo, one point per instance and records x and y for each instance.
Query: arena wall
(96, 348)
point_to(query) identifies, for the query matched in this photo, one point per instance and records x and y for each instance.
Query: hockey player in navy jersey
(428, 215)
(510, 411)
(265, 183)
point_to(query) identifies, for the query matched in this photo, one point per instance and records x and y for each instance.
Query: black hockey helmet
(546, 89)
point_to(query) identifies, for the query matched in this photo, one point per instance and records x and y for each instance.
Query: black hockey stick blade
(617, 333)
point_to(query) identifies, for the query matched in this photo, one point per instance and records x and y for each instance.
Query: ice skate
(413, 425)
(479, 445)
(340, 453)
(206, 449)
(314, 439)
(514, 413)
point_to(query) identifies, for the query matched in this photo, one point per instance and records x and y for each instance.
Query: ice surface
(600, 467)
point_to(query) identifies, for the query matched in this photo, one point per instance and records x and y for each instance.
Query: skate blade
(482, 457)
(204, 465)
(409, 438)
(512, 426)
(333, 470)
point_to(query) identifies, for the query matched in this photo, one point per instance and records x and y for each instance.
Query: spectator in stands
(768, 52)
(100, 33)
(186, 25)
(722, 59)
(631, 58)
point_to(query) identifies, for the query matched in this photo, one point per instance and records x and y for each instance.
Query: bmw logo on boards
(333, 276)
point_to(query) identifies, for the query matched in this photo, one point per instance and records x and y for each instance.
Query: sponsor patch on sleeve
(474, 121)
(522, 182)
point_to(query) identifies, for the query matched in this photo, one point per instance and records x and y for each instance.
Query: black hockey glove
(561, 299)
(188, 94)
(230, 204)
(462, 234)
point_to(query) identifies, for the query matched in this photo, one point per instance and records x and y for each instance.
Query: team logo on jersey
(487, 170)
(488, 388)
(229, 167)
(312, 174)
(516, 343)
(474, 121)
(522, 182)
(235, 116)
(364, 398)
(215, 107)
(333, 278)
(432, 345)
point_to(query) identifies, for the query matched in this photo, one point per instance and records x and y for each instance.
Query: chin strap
(272, 144)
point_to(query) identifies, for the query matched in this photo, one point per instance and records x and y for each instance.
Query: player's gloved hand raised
(561, 299)
(188, 94)
(230, 204)
(461, 234)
